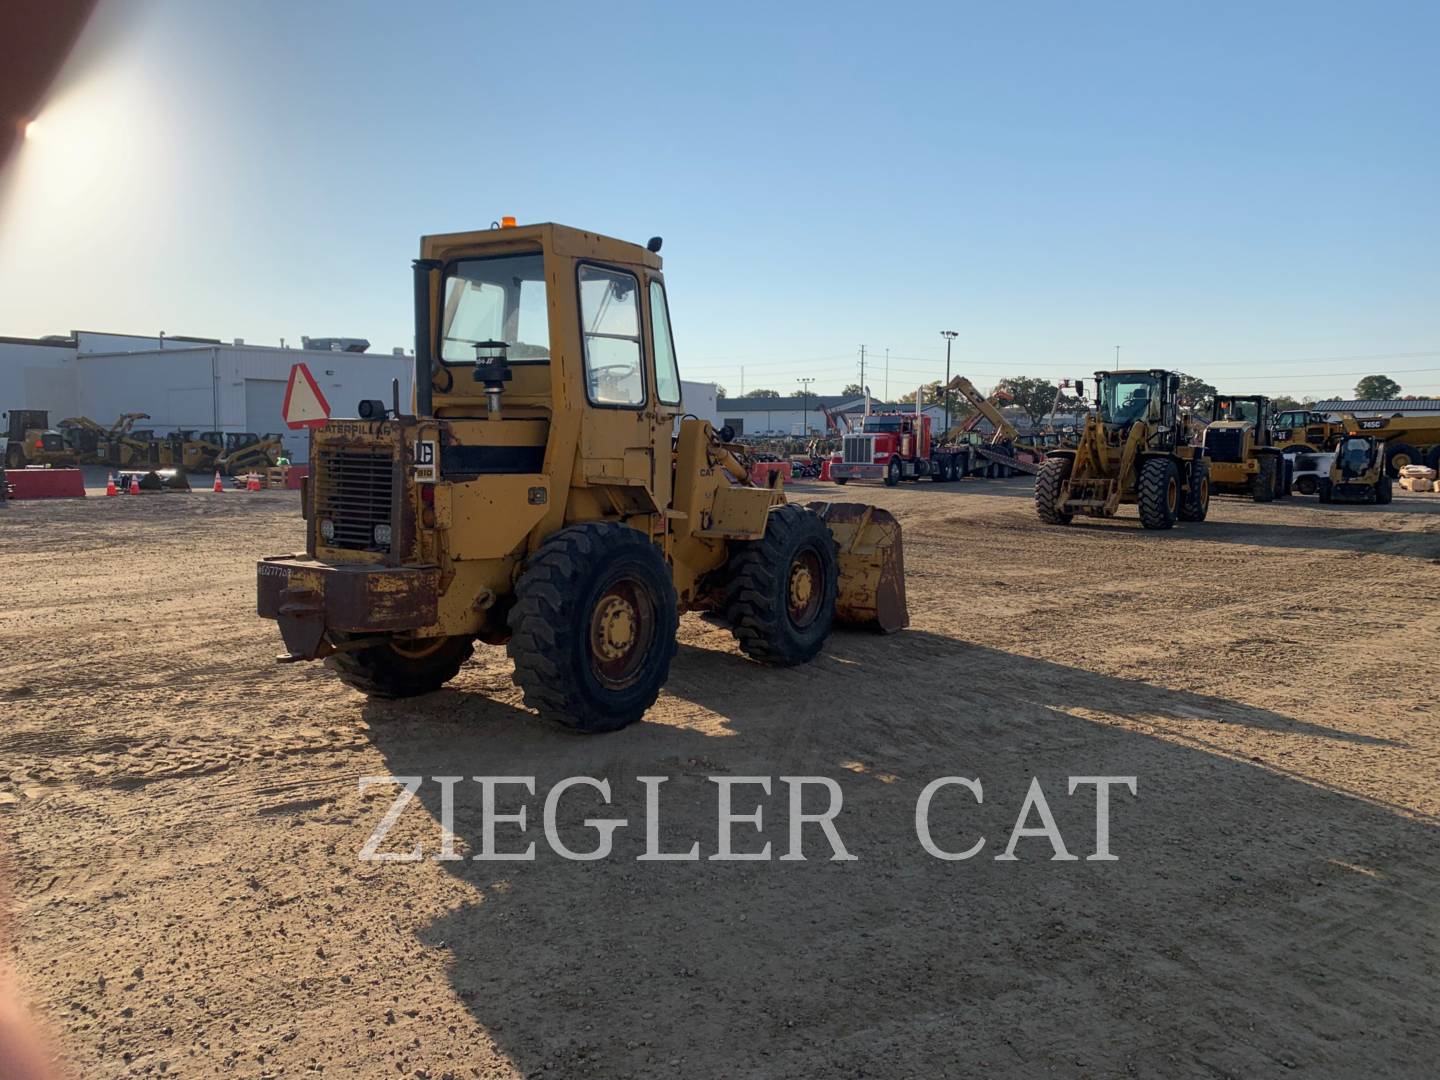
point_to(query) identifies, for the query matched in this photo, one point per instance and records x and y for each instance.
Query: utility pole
(1117, 357)
(887, 374)
(805, 402)
(742, 380)
(949, 336)
(862, 370)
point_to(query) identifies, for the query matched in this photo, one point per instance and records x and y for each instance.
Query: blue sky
(1247, 192)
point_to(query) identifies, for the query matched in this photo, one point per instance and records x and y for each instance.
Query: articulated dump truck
(541, 495)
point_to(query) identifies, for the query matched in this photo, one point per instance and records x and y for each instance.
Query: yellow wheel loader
(30, 440)
(541, 495)
(1240, 447)
(192, 451)
(1133, 449)
(1357, 473)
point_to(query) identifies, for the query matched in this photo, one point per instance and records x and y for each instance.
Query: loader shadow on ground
(1298, 534)
(1254, 923)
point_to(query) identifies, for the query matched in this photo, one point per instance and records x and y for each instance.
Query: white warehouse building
(205, 384)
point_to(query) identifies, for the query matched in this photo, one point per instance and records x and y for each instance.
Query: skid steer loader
(1134, 448)
(541, 495)
(1357, 473)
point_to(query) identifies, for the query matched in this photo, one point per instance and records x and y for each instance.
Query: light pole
(949, 336)
(805, 403)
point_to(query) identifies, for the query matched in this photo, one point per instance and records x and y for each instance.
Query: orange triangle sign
(305, 406)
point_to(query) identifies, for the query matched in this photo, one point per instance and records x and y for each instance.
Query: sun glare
(32, 128)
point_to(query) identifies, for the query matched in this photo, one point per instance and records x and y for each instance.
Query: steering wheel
(621, 371)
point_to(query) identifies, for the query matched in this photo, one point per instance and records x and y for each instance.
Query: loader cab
(1124, 398)
(1254, 410)
(1357, 457)
(551, 348)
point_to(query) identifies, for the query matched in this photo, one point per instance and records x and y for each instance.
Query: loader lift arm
(1004, 430)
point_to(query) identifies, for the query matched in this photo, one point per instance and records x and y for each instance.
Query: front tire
(593, 627)
(841, 480)
(1325, 491)
(1159, 494)
(892, 473)
(402, 668)
(780, 590)
(1048, 483)
(1384, 490)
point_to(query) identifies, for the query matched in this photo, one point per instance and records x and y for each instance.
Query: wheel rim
(1204, 493)
(621, 626)
(416, 648)
(1399, 461)
(1172, 493)
(804, 588)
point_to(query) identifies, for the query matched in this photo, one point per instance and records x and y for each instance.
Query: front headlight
(382, 535)
(327, 530)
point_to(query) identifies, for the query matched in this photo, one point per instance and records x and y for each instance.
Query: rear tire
(1048, 483)
(842, 480)
(1306, 485)
(402, 668)
(1265, 482)
(1196, 504)
(780, 590)
(1432, 459)
(593, 627)
(1159, 494)
(1384, 490)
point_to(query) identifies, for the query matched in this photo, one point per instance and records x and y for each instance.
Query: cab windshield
(496, 299)
(1126, 398)
(882, 423)
(1236, 409)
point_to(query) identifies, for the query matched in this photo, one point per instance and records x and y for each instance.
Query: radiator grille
(1225, 444)
(353, 490)
(859, 449)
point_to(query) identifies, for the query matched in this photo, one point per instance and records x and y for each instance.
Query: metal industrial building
(205, 384)
(1381, 407)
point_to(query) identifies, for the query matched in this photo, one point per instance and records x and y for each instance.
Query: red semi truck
(897, 446)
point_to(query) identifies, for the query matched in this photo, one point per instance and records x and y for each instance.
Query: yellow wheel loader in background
(543, 497)
(1134, 448)
(1240, 447)
(30, 440)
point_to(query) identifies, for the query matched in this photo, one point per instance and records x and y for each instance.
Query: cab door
(666, 381)
(616, 433)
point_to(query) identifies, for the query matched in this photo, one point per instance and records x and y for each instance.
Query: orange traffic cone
(110, 488)
(218, 485)
(134, 485)
(252, 482)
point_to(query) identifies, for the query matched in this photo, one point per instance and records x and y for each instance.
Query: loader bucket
(872, 565)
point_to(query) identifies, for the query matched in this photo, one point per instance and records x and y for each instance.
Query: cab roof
(559, 239)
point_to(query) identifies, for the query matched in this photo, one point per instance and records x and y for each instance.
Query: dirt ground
(183, 816)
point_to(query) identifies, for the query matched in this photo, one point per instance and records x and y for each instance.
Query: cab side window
(610, 326)
(667, 371)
